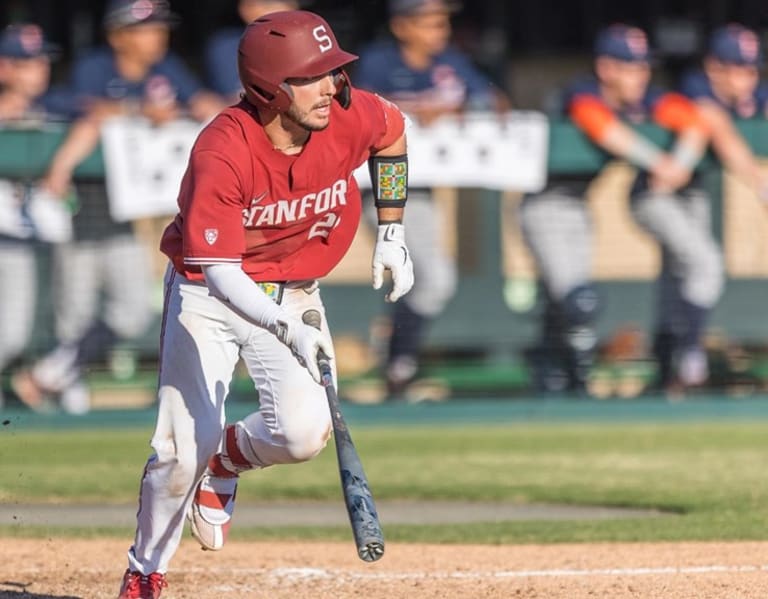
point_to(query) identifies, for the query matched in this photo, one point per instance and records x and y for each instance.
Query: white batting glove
(305, 342)
(391, 253)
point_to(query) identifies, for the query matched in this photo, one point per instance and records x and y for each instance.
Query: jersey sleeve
(676, 112)
(380, 120)
(590, 114)
(210, 206)
(394, 123)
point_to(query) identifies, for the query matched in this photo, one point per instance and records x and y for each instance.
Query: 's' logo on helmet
(321, 35)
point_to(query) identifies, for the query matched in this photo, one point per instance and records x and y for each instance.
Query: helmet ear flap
(344, 90)
(280, 100)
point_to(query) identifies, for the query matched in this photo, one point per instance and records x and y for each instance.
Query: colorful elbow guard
(389, 177)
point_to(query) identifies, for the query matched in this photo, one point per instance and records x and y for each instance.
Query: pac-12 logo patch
(211, 235)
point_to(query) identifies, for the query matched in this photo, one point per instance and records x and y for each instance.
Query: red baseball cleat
(142, 586)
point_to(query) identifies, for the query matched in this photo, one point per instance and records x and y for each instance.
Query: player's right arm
(210, 205)
(230, 284)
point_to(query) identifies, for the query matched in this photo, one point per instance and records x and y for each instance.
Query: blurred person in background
(27, 101)
(557, 227)
(221, 49)
(135, 75)
(728, 87)
(426, 77)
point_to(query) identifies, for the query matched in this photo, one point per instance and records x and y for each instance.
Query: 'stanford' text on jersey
(268, 214)
(283, 217)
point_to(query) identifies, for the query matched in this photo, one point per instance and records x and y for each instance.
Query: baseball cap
(735, 44)
(25, 40)
(623, 42)
(126, 13)
(420, 7)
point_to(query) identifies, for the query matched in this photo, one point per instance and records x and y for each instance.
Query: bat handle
(312, 318)
(324, 364)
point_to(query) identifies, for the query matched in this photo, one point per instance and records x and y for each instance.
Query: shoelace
(154, 582)
(139, 584)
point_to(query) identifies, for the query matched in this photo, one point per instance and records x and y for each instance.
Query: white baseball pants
(202, 340)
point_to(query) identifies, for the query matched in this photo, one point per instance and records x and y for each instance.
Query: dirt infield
(91, 569)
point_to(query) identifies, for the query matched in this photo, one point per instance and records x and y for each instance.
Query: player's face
(26, 76)
(627, 80)
(740, 80)
(312, 98)
(250, 10)
(146, 43)
(427, 34)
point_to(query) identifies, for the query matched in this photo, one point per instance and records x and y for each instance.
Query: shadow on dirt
(22, 593)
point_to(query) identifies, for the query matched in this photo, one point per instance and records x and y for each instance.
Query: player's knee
(304, 443)
(706, 278)
(183, 467)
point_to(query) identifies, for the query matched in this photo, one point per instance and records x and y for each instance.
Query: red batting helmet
(286, 45)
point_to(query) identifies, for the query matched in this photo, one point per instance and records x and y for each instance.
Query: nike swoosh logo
(389, 233)
(258, 198)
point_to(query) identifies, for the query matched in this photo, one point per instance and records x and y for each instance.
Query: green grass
(709, 476)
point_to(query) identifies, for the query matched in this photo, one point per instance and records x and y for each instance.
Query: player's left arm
(677, 113)
(388, 166)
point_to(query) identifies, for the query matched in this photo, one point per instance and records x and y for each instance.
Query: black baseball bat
(361, 508)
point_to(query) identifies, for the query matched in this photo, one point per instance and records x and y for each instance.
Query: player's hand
(392, 254)
(305, 342)
(668, 175)
(57, 182)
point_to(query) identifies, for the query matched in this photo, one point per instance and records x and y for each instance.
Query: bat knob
(371, 551)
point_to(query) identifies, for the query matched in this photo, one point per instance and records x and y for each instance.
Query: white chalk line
(309, 574)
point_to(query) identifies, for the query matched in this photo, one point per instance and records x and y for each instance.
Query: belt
(274, 289)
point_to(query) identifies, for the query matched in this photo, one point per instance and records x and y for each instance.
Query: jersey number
(321, 35)
(322, 228)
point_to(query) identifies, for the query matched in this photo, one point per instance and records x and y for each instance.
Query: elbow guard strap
(389, 177)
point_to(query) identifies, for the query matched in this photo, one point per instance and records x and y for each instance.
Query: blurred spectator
(556, 222)
(420, 71)
(221, 50)
(728, 87)
(135, 75)
(25, 101)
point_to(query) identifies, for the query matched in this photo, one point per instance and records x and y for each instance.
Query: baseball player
(556, 223)
(268, 205)
(420, 71)
(220, 64)
(728, 87)
(25, 101)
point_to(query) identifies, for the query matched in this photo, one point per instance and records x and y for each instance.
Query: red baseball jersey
(286, 218)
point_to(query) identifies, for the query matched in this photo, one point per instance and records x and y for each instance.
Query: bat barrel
(366, 529)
